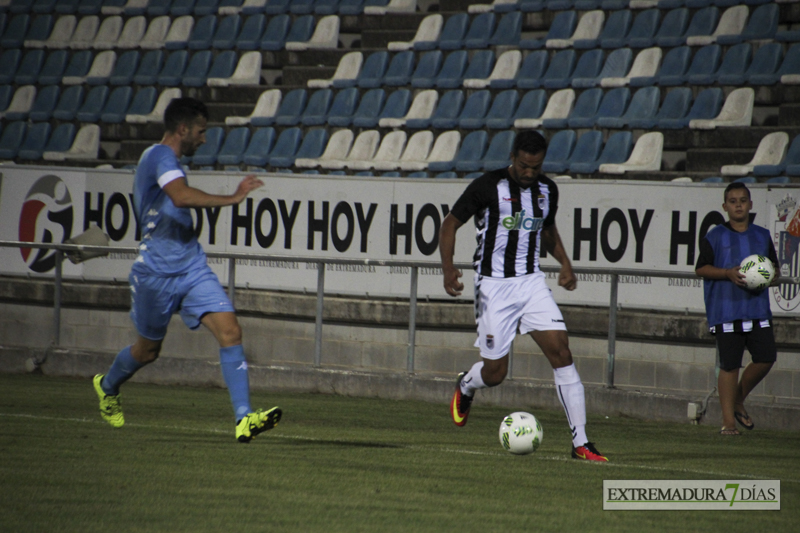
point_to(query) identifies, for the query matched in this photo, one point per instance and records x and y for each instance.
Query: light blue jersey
(169, 245)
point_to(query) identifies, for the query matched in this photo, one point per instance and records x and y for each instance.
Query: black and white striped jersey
(508, 221)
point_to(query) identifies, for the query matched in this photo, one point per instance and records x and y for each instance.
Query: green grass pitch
(347, 464)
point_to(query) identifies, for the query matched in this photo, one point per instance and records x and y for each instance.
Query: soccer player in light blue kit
(171, 273)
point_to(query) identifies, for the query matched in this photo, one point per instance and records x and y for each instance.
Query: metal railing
(414, 266)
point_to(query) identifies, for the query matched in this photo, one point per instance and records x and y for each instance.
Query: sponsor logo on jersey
(521, 221)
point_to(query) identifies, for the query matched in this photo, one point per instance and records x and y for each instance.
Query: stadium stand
(771, 151)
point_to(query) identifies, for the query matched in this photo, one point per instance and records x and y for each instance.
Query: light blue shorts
(154, 299)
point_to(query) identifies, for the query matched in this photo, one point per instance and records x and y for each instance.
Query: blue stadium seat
(446, 113)
(673, 28)
(93, 104)
(559, 72)
(791, 62)
(40, 28)
(473, 113)
(500, 115)
(499, 151)
(326, 7)
(480, 65)
(508, 31)
(274, 37)
(53, 68)
(179, 8)
(202, 33)
(144, 101)
(171, 73)
(397, 104)
(9, 61)
(44, 6)
(559, 5)
(792, 158)
(583, 113)
(79, 64)
(317, 108)
(644, 104)
(615, 30)
(562, 27)
(712, 179)
(29, 67)
(559, 149)
(206, 154)
(673, 69)
(617, 65)
(373, 70)
(302, 29)
(11, 140)
(66, 7)
(764, 67)
(227, 31)
(117, 105)
(125, 68)
(351, 7)
(675, 106)
(643, 29)
(780, 179)
(418, 174)
(587, 150)
(453, 32)
(531, 105)
(589, 67)
(762, 25)
(259, 148)
(68, 103)
(197, 70)
(704, 65)
(149, 68)
(44, 104)
(16, 29)
(612, 5)
(532, 69)
(283, 153)
(205, 7)
(224, 65)
(6, 92)
(252, 30)
(312, 146)
(616, 150)
(277, 7)
(531, 6)
(480, 31)
(400, 69)
(613, 104)
(451, 174)
(470, 155)
(35, 141)
(290, 110)
(706, 106)
(301, 7)
(424, 76)
(133, 10)
(372, 102)
(157, 8)
(232, 150)
(452, 73)
(734, 65)
(343, 107)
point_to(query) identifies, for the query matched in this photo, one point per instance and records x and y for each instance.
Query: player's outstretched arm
(447, 245)
(182, 195)
(552, 243)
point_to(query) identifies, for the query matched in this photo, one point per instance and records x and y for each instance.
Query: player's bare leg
(728, 386)
(751, 376)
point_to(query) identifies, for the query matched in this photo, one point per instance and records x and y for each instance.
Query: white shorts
(507, 306)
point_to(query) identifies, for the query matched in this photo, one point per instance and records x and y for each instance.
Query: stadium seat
(78, 68)
(326, 7)
(447, 112)
(202, 33)
(206, 154)
(382, 7)
(532, 69)
(134, 8)
(531, 106)
(44, 104)
(420, 111)
(559, 73)
(29, 67)
(157, 114)
(143, 103)
(158, 8)
(14, 35)
(258, 149)
(263, 113)
(582, 114)
(613, 105)
(590, 66)
(345, 75)
(343, 107)
(586, 32)
(473, 113)
(62, 32)
(559, 149)
(789, 72)
(313, 144)
(424, 75)
(93, 105)
(85, 32)
(125, 68)
(704, 65)
(562, 27)
(470, 156)
(373, 70)
(672, 31)
(149, 68)
(415, 153)
(370, 106)
(503, 73)
(498, 155)
(363, 149)
(531, 6)
(731, 22)
(351, 7)
(791, 159)
(480, 31)
(734, 65)
(399, 70)
(390, 149)
(156, 34)
(508, 31)
(11, 139)
(21, 103)
(643, 29)
(587, 150)
(426, 37)
(317, 108)
(290, 109)
(500, 115)
(179, 33)
(675, 106)
(39, 30)
(452, 73)
(102, 67)
(616, 65)
(274, 38)
(69, 102)
(707, 105)
(616, 150)
(418, 174)
(453, 32)
(325, 35)
(197, 71)
(6, 91)
(614, 31)
(283, 153)
(673, 69)
(762, 25)
(86, 145)
(43, 6)
(252, 31)
(171, 73)
(397, 104)
(112, 7)
(53, 69)
(771, 151)
(226, 72)
(703, 22)
(116, 107)
(301, 31)
(301, 7)
(558, 106)
(646, 156)
(276, 7)
(180, 8)
(643, 105)
(764, 67)
(233, 148)
(441, 155)
(108, 33)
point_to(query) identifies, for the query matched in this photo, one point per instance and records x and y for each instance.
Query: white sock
(570, 393)
(473, 380)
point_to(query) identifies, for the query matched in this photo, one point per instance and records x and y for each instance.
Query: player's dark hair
(530, 141)
(733, 186)
(183, 111)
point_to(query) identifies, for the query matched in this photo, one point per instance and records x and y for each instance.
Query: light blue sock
(234, 370)
(121, 370)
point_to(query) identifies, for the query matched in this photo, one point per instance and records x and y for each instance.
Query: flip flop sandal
(731, 432)
(741, 417)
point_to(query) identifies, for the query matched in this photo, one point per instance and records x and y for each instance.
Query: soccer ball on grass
(520, 433)
(758, 271)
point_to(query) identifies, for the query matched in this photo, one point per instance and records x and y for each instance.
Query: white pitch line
(539, 457)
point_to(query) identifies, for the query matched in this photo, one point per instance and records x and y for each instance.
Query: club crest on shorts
(542, 201)
(490, 341)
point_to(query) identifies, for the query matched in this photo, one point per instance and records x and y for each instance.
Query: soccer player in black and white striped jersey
(514, 210)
